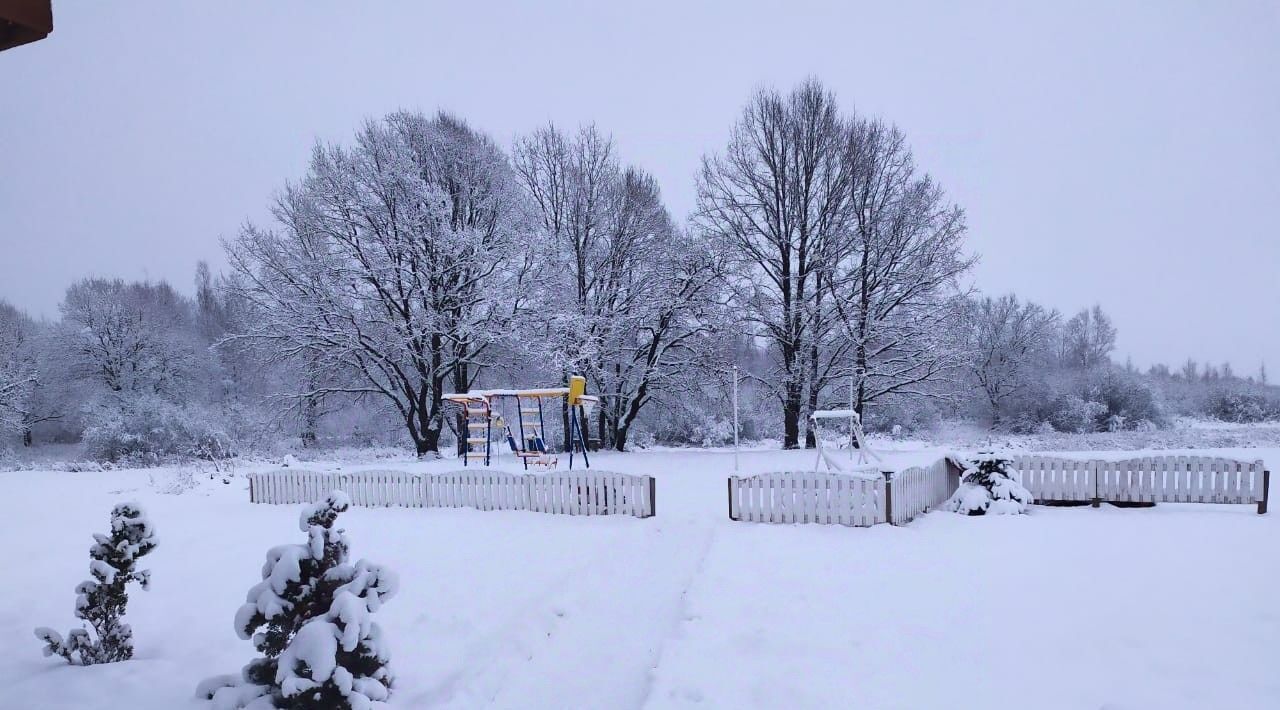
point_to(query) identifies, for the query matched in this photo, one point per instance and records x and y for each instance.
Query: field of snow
(1171, 607)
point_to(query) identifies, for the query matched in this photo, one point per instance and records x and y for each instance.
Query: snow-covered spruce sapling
(311, 618)
(987, 486)
(102, 600)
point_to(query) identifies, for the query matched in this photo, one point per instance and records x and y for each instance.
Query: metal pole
(852, 436)
(888, 497)
(735, 418)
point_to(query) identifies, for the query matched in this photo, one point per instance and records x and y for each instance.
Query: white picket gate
(919, 489)
(1149, 479)
(568, 492)
(808, 497)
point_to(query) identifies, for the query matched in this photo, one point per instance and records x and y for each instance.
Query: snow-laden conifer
(311, 618)
(987, 486)
(101, 601)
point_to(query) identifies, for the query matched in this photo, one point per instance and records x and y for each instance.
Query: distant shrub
(1242, 407)
(911, 415)
(1028, 423)
(150, 430)
(1072, 413)
(1126, 399)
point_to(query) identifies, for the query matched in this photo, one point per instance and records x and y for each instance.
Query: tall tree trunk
(427, 445)
(602, 426)
(864, 327)
(791, 413)
(810, 436)
(426, 418)
(310, 406)
(460, 385)
(428, 440)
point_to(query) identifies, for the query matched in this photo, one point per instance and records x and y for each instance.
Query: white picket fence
(568, 493)
(859, 499)
(1149, 479)
(919, 489)
(1049, 478)
(808, 497)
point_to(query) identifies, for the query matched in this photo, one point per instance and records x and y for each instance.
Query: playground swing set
(486, 413)
(857, 442)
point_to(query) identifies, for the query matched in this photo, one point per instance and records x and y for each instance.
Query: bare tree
(661, 289)
(131, 338)
(1007, 340)
(777, 199)
(392, 266)
(18, 372)
(1088, 339)
(630, 303)
(572, 181)
(895, 284)
(1190, 370)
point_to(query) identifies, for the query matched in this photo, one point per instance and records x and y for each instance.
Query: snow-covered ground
(1172, 607)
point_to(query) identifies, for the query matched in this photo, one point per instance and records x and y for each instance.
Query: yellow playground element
(485, 410)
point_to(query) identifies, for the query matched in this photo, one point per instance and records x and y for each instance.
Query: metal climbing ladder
(479, 430)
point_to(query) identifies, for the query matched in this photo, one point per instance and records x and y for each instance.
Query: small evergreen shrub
(102, 600)
(987, 486)
(311, 619)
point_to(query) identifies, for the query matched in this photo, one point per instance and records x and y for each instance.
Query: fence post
(888, 497)
(732, 479)
(254, 500)
(1266, 492)
(653, 498)
(1097, 484)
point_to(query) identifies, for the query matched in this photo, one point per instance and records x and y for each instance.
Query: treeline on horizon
(421, 257)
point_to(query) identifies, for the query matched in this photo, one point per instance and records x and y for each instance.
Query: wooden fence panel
(1147, 479)
(572, 493)
(1050, 478)
(919, 489)
(807, 497)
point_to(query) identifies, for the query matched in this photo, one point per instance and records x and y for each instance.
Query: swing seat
(544, 462)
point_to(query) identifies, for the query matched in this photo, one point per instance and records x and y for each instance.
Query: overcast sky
(1123, 153)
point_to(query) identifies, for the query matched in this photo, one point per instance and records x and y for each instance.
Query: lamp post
(735, 418)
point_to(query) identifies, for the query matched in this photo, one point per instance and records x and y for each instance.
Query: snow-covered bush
(1126, 398)
(1071, 413)
(1243, 407)
(311, 618)
(102, 600)
(987, 486)
(912, 415)
(149, 429)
